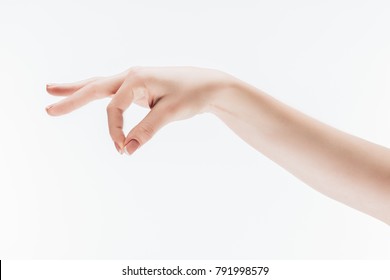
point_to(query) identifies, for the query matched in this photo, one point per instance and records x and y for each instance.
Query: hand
(346, 168)
(171, 93)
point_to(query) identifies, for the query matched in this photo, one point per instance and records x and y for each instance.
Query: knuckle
(111, 108)
(136, 73)
(93, 88)
(97, 89)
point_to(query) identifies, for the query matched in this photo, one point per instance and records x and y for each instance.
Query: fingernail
(118, 148)
(49, 85)
(131, 147)
(48, 107)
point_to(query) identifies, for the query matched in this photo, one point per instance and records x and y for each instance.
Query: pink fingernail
(131, 147)
(48, 107)
(118, 148)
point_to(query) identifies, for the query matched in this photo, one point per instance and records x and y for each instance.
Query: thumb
(158, 116)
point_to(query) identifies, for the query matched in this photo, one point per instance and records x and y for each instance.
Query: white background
(196, 190)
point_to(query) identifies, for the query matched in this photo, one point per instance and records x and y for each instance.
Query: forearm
(346, 168)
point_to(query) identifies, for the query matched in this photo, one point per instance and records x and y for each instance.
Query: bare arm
(344, 167)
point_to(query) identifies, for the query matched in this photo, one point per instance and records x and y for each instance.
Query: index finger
(119, 103)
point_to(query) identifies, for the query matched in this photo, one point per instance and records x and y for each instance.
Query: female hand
(171, 93)
(344, 167)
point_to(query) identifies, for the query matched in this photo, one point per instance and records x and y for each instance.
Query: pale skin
(344, 167)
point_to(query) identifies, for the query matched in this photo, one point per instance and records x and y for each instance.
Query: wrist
(222, 98)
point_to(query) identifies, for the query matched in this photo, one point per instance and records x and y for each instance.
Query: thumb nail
(131, 147)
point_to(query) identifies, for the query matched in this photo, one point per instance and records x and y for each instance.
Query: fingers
(68, 88)
(78, 99)
(119, 103)
(124, 88)
(91, 91)
(160, 115)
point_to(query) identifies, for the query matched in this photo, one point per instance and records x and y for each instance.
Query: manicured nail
(131, 147)
(48, 107)
(118, 148)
